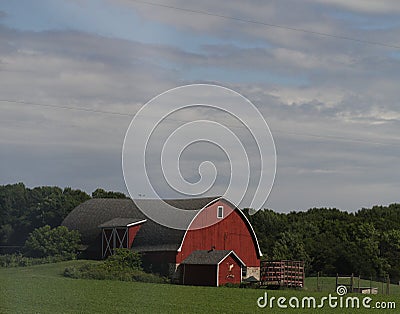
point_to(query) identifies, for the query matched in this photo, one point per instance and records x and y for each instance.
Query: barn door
(113, 238)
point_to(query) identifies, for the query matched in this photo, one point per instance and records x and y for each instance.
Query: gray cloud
(332, 105)
(370, 6)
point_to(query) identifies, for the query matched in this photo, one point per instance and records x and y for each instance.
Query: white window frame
(222, 212)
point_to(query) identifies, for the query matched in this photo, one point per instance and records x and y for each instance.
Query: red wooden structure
(212, 268)
(232, 232)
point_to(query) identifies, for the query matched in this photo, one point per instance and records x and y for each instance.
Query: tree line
(331, 241)
(366, 242)
(22, 210)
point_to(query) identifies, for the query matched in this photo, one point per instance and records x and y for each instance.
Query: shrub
(124, 265)
(146, 277)
(18, 260)
(232, 285)
(59, 241)
(103, 271)
(71, 272)
(124, 259)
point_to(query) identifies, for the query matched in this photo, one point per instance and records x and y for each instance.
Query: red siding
(229, 271)
(132, 231)
(229, 233)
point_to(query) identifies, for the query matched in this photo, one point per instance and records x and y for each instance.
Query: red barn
(209, 225)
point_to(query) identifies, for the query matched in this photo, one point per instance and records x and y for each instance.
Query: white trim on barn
(218, 272)
(229, 253)
(136, 223)
(224, 258)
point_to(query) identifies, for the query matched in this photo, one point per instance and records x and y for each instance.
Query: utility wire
(336, 138)
(244, 20)
(65, 107)
(131, 115)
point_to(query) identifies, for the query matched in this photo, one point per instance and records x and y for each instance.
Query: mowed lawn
(42, 289)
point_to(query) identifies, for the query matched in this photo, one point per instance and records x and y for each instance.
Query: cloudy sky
(324, 74)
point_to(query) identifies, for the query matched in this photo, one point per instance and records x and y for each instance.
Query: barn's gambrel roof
(89, 216)
(122, 222)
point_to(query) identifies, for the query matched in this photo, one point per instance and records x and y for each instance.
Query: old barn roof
(211, 257)
(121, 222)
(88, 216)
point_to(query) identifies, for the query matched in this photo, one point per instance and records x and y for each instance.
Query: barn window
(220, 212)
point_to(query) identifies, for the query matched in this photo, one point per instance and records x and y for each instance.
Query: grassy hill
(42, 289)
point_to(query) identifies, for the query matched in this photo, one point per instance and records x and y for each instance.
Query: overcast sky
(332, 103)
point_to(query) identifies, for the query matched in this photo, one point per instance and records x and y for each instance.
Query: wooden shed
(212, 268)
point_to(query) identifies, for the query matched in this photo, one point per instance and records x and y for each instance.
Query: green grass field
(328, 284)
(42, 289)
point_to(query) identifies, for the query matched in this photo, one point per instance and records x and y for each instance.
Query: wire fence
(382, 285)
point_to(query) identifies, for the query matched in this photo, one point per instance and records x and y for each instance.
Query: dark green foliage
(59, 241)
(22, 210)
(390, 251)
(290, 246)
(231, 285)
(100, 193)
(124, 265)
(124, 259)
(332, 241)
(18, 260)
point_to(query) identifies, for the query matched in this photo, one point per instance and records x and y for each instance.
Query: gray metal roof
(88, 216)
(120, 222)
(211, 257)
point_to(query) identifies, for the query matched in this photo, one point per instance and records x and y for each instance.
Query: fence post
(388, 284)
(352, 283)
(337, 279)
(370, 285)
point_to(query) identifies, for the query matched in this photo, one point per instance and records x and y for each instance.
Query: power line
(324, 137)
(66, 107)
(294, 29)
(337, 138)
